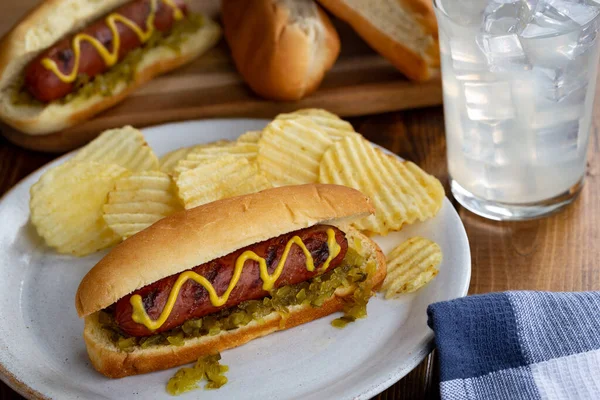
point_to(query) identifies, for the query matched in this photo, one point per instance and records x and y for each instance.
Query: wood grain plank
(421, 383)
(16, 163)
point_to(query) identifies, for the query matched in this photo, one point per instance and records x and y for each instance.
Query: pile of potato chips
(116, 186)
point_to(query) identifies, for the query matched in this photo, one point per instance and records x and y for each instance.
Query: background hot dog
(43, 84)
(193, 301)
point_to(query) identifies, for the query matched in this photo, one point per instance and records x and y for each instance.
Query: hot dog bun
(195, 236)
(54, 19)
(201, 234)
(281, 48)
(403, 31)
(114, 363)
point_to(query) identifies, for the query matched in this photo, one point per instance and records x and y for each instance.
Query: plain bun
(109, 360)
(193, 237)
(282, 48)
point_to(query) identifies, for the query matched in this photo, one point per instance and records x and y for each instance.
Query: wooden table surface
(559, 253)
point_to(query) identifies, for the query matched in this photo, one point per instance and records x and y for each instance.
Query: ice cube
(559, 136)
(501, 18)
(580, 11)
(466, 56)
(459, 43)
(476, 150)
(557, 144)
(486, 141)
(500, 183)
(489, 143)
(464, 12)
(568, 83)
(584, 13)
(466, 51)
(503, 52)
(504, 181)
(587, 39)
(560, 84)
(550, 38)
(527, 9)
(548, 115)
(548, 16)
(489, 101)
(588, 36)
(502, 46)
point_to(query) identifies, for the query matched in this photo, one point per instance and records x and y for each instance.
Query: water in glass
(519, 80)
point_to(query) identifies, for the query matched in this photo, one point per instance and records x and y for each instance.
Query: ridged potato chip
(411, 265)
(221, 177)
(169, 161)
(125, 146)
(203, 154)
(66, 206)
(330, 123)
(401, 192)
(139, 200)
(290, 151)
(250, 137)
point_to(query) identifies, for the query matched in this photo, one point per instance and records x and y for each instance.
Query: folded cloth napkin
(519, 345)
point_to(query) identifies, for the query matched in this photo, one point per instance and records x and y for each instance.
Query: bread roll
(171, 245)
(195, 236)
(109, 360)
(403, 31)
(42, 28)
(282, 48)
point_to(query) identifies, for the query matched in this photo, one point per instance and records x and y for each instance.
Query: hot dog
(68, 60)
(216, 276)
(46, 86)
(193, 301)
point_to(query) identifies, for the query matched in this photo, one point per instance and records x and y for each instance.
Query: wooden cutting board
(360, 83)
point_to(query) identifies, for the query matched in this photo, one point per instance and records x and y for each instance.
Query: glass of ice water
(519, 78)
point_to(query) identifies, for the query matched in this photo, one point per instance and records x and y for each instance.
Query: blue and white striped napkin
(519, 345)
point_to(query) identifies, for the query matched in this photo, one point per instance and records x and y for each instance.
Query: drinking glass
(519, 79)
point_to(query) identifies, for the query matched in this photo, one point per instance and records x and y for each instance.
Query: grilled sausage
(193, 300)
(46, 86)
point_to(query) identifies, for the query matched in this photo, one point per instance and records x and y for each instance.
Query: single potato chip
(66, 206)
(203, 154)
(401, 192)
(250, 137)
(222, 177)
(411, 265)
(335, 127)
(290, 151)
(169, 161)
(125, 146)
(139, 200)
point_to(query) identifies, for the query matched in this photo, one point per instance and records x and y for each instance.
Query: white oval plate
(42, 353)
